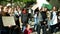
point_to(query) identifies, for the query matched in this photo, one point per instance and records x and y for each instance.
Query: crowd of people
(44, 18)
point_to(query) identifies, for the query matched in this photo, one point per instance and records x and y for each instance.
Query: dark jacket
(24, 18)
(1, 23)
(44, 17)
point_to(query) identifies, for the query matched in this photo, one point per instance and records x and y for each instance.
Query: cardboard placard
(8, 20)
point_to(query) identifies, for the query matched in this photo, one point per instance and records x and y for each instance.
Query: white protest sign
(8, 20)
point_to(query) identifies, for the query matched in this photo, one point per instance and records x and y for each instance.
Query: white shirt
(53, 21)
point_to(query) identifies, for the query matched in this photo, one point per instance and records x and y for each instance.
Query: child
(27, 30)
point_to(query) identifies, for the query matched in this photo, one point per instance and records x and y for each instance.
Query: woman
(53, 20)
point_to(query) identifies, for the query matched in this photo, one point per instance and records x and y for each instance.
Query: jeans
(38, 29)
(43, 27)
(23, 28)
(53, 29)
(35, 23)
(35, 27)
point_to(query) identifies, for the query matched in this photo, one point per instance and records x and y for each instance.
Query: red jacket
(27, 31)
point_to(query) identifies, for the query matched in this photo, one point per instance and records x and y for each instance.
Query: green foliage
(18, 2)
(25, 1)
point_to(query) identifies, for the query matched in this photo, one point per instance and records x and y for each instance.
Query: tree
(18, 2)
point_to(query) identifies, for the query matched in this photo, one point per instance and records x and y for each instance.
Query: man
(24, 18)
(42, 20)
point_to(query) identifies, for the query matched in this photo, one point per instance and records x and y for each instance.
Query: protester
(39, 24)
(17, 14)
(28, 30)
(53, 19)
(24, 16)
(36, 20)
(42, 20)
(5, 11)
(19, 10)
